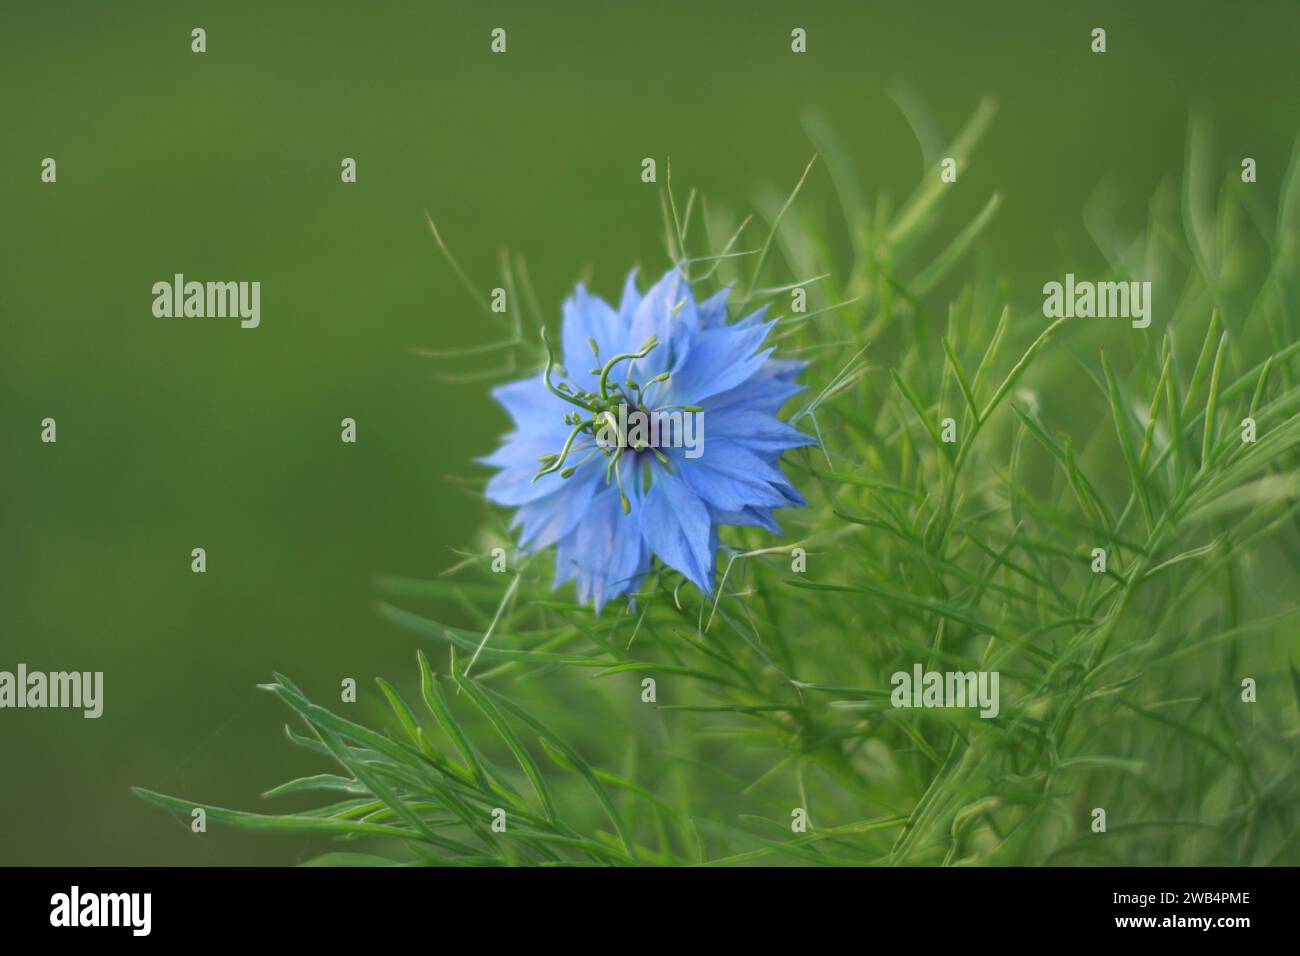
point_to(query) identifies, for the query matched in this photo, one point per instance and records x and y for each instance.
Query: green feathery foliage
(1120, 690)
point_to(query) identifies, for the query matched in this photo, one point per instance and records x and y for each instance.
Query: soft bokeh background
(175, 434)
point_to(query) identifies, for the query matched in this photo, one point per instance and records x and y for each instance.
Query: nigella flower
(626, 470)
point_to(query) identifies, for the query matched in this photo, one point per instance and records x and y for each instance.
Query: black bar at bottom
(543, 906)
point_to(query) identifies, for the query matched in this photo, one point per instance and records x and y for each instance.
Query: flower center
(616, 416)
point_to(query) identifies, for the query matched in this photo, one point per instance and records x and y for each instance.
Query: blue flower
(659, 428)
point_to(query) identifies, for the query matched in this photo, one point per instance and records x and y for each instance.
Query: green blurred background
(176, 434)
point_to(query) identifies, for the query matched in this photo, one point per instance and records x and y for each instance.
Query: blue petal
(713, 310)
(531, 406)
(546, 520)
(627, 306)
(791, 495)
(758, 394)
(667, 312)
(784, 369)
(746, 517)
(518, 448)
(611, 555)
(755, 430)
(730, 488)
(589, 317)
(675, 524)
(719, 360)
(515, 486)
(756, 473)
